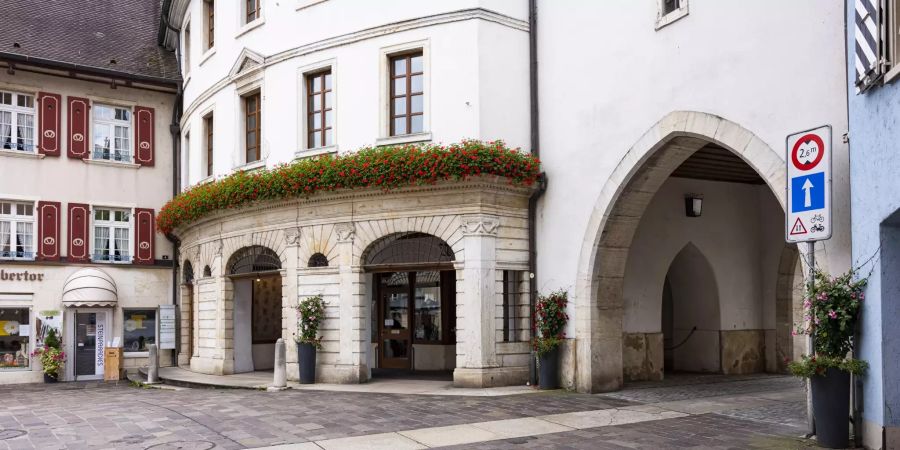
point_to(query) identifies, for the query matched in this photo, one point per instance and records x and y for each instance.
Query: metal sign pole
(810, 340)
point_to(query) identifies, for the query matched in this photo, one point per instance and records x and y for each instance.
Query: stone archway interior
(695, 319)
(257, 307)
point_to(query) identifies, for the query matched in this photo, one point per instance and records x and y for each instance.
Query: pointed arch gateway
(598, 299)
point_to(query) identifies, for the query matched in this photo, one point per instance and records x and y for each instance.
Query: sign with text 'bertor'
(808, 215)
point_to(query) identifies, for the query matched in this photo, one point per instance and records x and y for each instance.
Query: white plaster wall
(476, 74)
(67, 180)
(607, 76)
(729, 234)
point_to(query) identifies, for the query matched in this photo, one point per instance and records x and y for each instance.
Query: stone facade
(483, 221)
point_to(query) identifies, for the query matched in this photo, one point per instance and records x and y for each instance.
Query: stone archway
(598, 299)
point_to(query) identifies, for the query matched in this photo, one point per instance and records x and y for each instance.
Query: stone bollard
(280, 382)
(153, 365)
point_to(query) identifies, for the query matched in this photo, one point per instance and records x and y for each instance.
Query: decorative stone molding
(345, 232)
(292, 236)
(480, 226)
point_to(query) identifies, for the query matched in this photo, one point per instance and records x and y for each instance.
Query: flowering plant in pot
(310, 314)
(831, 309)
(549, 324)
(52, 358)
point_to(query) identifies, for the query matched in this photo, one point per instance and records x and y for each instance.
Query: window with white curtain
(16, 121)
(112, 233)
(16, 230)
(112, 133)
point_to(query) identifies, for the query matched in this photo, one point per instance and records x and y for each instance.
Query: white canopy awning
(89, 287)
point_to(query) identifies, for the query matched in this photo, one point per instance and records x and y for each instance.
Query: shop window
(16, 230)
(140, 329)
(515, 309)
(15, 337)
(112, 133)
(428, 307)
(16, 121)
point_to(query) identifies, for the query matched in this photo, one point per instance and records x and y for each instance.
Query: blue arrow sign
(808, 192)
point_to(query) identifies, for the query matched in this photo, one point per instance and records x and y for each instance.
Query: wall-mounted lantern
(693, 205)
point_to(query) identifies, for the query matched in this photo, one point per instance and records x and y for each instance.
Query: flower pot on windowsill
(831, 407)
(306, 357)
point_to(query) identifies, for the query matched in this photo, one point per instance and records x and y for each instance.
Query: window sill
(208, 179)
(101, 162)
(208, 54)
(318, 151)
(671, 17)
(303, 4)
(403, 139)
(21, 154)
(250, 27)
(135, 354)
(891, 75)
(251, 166)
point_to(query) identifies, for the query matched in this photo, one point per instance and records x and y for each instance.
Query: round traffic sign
(808, 151)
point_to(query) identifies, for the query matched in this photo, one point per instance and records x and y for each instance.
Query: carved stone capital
(292, 236)
(480, 225)
(345, 231)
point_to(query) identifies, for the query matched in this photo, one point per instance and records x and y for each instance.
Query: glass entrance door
(395, 336)
(85, 344)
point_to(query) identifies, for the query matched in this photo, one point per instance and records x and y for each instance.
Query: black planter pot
(831, 408)
(306, 355)
(50, 378)
(548, 363)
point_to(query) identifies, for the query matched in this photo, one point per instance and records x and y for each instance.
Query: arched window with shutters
(318, 260)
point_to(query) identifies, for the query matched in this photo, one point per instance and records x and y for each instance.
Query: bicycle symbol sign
(808, 164)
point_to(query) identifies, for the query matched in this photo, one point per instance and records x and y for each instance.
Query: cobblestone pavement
(108, 415)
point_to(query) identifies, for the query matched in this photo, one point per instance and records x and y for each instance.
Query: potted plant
(831, 314)
(310, 313)
(549, 324)
(51, 356)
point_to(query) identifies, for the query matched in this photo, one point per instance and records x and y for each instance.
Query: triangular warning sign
(798, 228)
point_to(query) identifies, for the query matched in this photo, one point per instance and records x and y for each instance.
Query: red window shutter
(50, 106)
(79, 142)
(48, 230)
(145, 231)
(79, 232)
(143, 135)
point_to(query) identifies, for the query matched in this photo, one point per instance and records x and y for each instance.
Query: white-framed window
(670, 11)
(186, 161)
(17, 123)
(112, 133)
(16, 230)
(209, 28)
(252, 10)
(186, 58)
(112, 235)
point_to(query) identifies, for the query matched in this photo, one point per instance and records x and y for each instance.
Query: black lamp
(693, 205)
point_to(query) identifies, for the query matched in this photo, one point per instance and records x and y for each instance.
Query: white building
(86, 158)
(641, 105)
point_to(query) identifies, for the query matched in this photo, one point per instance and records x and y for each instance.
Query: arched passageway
(255, 274)
(640, 223)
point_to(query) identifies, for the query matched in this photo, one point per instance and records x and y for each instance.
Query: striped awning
(868, 43)
(89, 287)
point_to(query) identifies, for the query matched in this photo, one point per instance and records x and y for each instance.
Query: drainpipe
(542, 181)
(175, 130)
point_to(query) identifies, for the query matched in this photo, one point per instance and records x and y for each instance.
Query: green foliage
(385, 168)
(52, 339)
(832, 311)
(550, 321)
(810, 366)
(310, 314)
